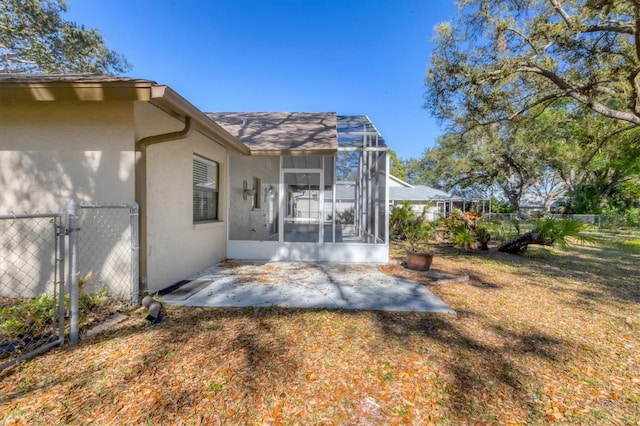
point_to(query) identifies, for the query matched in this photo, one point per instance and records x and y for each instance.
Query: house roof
(417, 193)
(257, 133)
(345, 190)
(98, 87)
(395, 181)
(62, 78)
(282, 133)
(72, 87)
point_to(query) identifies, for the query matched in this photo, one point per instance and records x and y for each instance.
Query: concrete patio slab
(304, 285)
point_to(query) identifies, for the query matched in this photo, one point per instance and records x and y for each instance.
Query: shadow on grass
(605, 267)
(476, 281)
(259, 344)
(267, 356)
(477, 367)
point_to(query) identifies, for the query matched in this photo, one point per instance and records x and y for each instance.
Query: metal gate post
(135, 282)
(60, 235)
(73, 229)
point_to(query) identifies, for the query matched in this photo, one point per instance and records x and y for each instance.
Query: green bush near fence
(630, 219)
(507, 224)
(27, 315)
(35, 316)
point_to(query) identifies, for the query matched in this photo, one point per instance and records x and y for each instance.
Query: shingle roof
(345, 190)
(276, 133)
(417, 193)
(65, 78)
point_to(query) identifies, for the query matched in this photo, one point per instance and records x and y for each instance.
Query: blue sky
(347, 56)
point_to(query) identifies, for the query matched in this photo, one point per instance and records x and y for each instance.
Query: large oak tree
(560, 77)
(501, 58)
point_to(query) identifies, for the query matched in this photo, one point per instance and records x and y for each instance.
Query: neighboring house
(209, 187)
(433, 202)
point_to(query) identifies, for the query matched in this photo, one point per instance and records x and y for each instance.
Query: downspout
(141, 189)
(143, 143)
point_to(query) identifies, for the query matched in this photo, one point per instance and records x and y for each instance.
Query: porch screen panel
(329, 213)
(381, 178)
(303, 212)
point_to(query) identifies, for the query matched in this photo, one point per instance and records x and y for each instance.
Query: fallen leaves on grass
(531, 343)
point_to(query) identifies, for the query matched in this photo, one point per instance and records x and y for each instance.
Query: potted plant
(418, 232)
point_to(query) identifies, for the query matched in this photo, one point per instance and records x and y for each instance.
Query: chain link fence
(596, 220)
(107, 252)
(31, 285)
(100, 242)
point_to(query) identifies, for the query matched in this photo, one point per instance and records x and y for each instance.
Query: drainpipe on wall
(141, 187)
(143, 143)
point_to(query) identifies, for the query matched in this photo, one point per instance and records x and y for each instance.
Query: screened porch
(326, 207)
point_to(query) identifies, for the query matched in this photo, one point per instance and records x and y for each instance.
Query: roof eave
(75, 91)
(161, 96)
(169, 100)
(292, 152)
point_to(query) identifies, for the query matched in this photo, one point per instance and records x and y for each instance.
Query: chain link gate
(108, 249)
(103, 254)
(32, 304)
(102, 243)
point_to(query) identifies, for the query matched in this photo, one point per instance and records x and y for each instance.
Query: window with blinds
(205, 189)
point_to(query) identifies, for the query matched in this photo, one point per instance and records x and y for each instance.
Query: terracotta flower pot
(418, 261)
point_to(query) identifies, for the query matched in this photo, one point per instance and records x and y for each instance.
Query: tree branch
(552, 97)
(636, 35)
(565, 16)
(604, 140)
(572, 92)
(622, 29)
(523, 37)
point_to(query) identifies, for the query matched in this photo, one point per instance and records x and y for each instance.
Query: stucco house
(209, 186)
(433, 202)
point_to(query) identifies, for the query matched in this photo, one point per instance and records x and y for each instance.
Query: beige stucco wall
(246, 222)
(52, 152)
(175, 247)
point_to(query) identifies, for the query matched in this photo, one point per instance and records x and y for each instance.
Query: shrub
(400, 218)
(346, 217)
(418, 233)
(466, 232)
(28, 315)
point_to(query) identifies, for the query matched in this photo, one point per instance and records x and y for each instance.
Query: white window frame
(206, 181)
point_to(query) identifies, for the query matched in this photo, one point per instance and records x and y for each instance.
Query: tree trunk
(520, 244)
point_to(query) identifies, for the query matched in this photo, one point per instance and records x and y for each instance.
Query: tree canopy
(554, 155)
(502, 58)
(396, 166)
(541, 97)
(485, 159)
(34, 37)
